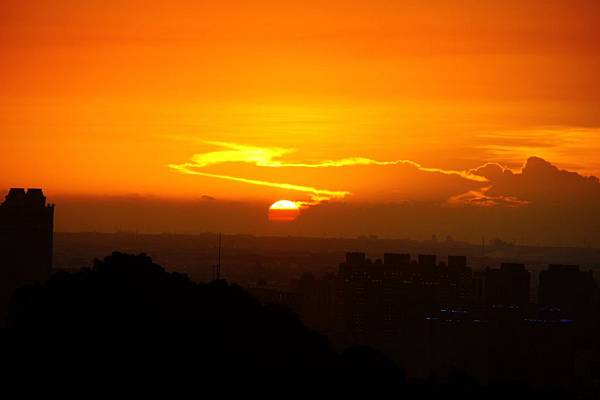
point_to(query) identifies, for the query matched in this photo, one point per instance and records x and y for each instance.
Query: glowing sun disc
(284, 205)
(284, 211)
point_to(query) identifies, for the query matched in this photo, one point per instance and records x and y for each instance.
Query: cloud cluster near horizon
(271, 157)
(576, 148)
(488, 185)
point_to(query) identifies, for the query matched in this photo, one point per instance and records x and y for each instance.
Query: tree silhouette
(128, 318)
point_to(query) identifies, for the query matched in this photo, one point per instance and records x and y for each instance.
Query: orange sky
(102, 97)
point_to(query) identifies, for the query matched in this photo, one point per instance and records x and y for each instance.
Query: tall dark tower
(26, 232)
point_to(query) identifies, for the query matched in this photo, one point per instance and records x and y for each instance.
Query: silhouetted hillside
(126, 316)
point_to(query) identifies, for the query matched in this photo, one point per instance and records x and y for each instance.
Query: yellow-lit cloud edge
(268, 157)
(316, 195)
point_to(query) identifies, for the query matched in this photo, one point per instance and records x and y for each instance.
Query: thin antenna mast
(483, 246)
(217, 267)
(219, 264)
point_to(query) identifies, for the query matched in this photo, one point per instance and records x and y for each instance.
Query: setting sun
(283, 211)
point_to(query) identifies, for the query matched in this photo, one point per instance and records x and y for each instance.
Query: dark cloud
(540, 182)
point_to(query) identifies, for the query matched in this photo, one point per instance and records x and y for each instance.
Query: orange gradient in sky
(100, 98)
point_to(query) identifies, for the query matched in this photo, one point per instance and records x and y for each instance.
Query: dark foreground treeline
(128, 323)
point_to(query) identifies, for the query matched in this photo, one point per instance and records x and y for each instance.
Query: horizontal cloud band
(267, 157)
(316, 194)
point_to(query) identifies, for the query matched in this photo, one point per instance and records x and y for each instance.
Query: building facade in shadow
(26, 233)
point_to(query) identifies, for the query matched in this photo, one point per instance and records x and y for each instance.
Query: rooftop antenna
(483, 246)
(217, 267)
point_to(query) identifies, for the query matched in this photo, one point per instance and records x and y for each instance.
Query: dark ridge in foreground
(127, 321)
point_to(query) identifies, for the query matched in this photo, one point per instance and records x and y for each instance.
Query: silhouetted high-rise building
(567, 288)
(507, 286)
(355, 295)
(355, 258)
(461, 280)
(396, 259)
(375, 299)
(26, 232)
(427, 260)
(457, 262)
